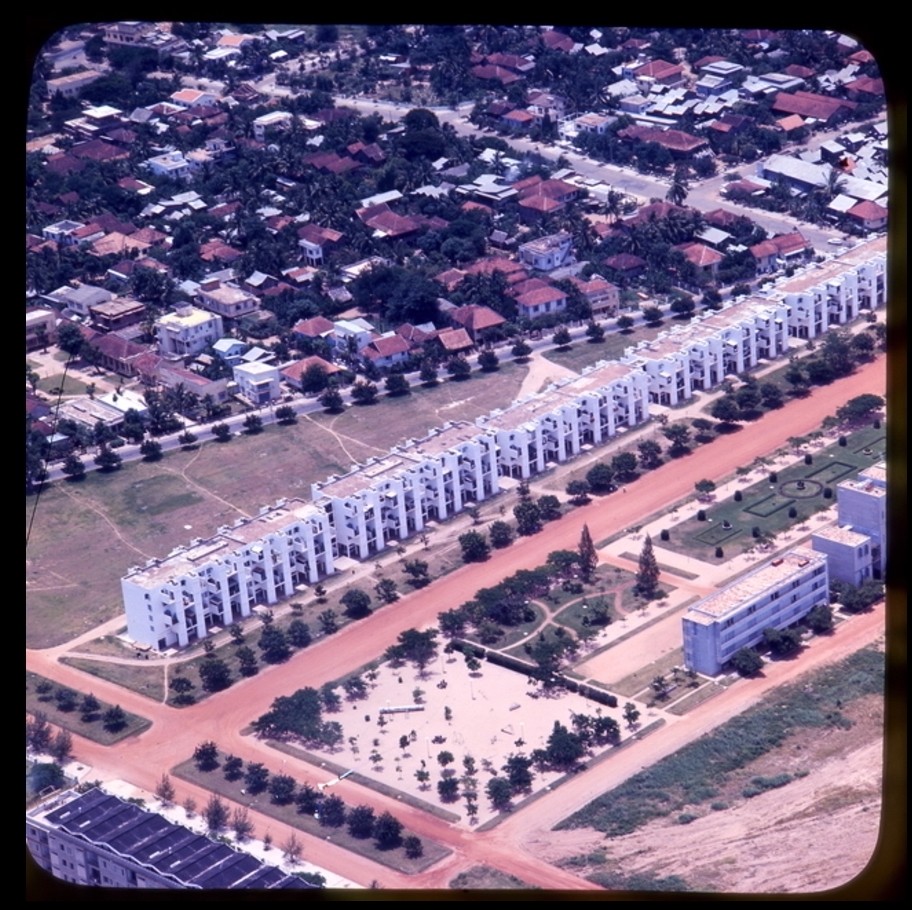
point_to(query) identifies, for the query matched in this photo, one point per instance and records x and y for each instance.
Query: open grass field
(86, 535)
(584, 353)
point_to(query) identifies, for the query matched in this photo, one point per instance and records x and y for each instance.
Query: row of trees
(330, 810)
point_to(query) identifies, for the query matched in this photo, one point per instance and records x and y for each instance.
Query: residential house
(227, 300)
(258, 383)
(546, 254)
(316, 241)
(870, 215)
(480, 322)
(603, 297)
(293, 373)
(187, 331)
(117, 313)
(40, 328)
(776, 595)
(541, 300)
(386, 350)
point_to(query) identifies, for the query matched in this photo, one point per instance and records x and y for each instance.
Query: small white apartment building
(777, 594)
(258, 383)
(216, 581)
(187, 331)
(547, 253)
(391, 498)
(227, 300)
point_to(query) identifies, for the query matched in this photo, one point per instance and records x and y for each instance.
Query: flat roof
(767, 577)
(844, 535)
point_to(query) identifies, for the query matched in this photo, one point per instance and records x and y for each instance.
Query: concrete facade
(776, 594)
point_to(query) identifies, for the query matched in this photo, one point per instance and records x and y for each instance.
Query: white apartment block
(424, 480)
(547, 253)
(259, 383)
(187, 331)
(777, 594)
(832, 293)
(848, 553)
(700, 355)
(217, 581)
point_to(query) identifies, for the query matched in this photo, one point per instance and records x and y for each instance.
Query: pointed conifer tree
(647, 580)
(588, 557)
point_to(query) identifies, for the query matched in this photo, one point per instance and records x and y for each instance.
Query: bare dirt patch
(816, 832)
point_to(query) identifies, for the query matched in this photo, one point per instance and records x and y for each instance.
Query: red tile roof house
(293, 372)
(544, 301)
(703, 257)
(603, 297)
(783, 247)
(316, 240)
(386, 223)
(387, 350)
(454, 341)
(870, 215)
(480, 322)
(311, 329)
(626, 265)
(679, 143)
(810, 105)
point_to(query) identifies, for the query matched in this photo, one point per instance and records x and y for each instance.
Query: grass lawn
(52, 385)
(583, 352)
(484, 878)
(234, 790)
(72, 721)
(641, 680)
(85, 536)
(142, 677)
(766, 505)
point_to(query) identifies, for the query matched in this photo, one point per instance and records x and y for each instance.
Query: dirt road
(175, 733)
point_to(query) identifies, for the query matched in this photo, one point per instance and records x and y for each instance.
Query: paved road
(175, 733)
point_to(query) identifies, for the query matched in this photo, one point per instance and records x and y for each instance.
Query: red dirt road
(175, 733)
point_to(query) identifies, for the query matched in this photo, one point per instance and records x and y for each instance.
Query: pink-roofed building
(543, 301)
(870, 215)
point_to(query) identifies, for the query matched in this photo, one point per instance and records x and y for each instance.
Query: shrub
(738, 496)
(843, 441)
(827, 492)
(808, 458)
(701, 515)
(718, 805)
(773, 477)
(793, 512)
(664, 535)
(685, 818)
(755, 531)
(719, 553)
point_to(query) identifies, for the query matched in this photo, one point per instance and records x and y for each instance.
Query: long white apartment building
(777, 595)
(218, 580)
(261, 560)
(701, 354)
(826, 294)
(391, 498)
(569, 416)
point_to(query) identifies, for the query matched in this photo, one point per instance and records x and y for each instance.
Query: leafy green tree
(820, 619)
(420, 648)
(361, 822)
(782, 642)
(595, 333)
(364, 392)
(73, 467)
(38, 732)
(308, 799)
(221, 432)
(448, 789)
(299, 633)
(247, 661)
(215, 814)
(679, 437)
(500, 793)
(332, 400)
(528, 518)
(588, 556)
(241, 823)
(357, 603)
(397, 384)
(631, 715)
(215, 675)
(274, 645)
(500, 534)
(860, 408)
(332, 812)
(650, 454)
(625, 323)
(563, 749)
(518, 769)
(256, 777)
(417, 571)
(183, 690)
(89, 708)
(253, 424)
(233, 768)
(114, 719)
(388, 831)
(578, 491)
(206, 756)
(459, 368)
(746, 662)
(386, 590)
(624, 466)
(600, 478)
(328, 622)
(474, 547)
(521, 350)
(428, 373)
(561, 337)
(61, 747)
(286, 414)
(488, 361)
(151, 450)
(164, 790)
(282, 789)
(413, 847)
(108, 460)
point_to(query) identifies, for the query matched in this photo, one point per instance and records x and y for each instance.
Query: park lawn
(583, 353)
(766, 505)
(289, 815)
(641, 680)
(142, 677)
(51, 385)
(71, 720)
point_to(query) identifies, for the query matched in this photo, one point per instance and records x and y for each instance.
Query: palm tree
(678, 190)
